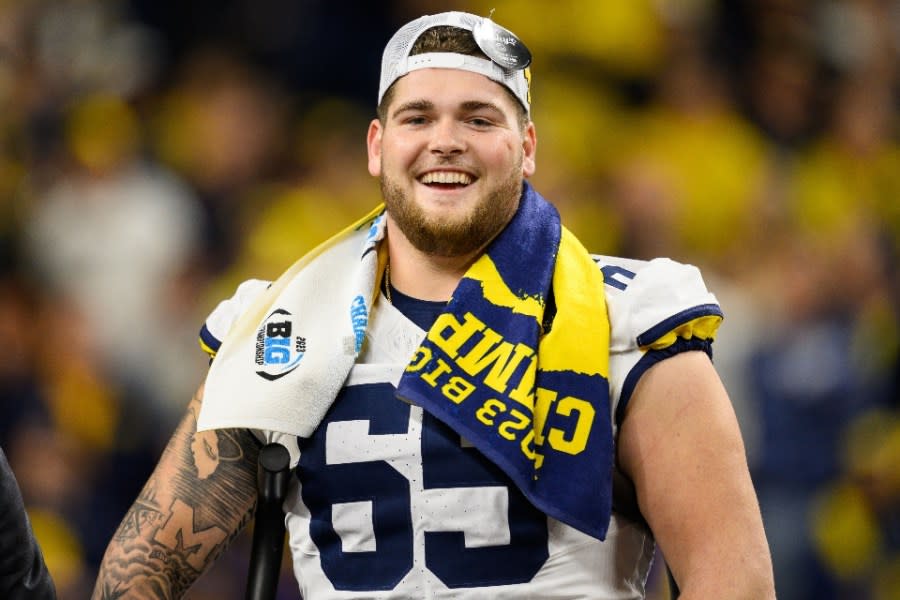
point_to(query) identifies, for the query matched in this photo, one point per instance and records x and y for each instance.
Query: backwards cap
(508, 64)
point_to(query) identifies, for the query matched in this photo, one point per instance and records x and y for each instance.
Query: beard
(454, 237)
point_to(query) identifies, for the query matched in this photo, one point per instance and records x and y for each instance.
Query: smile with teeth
(446, 177)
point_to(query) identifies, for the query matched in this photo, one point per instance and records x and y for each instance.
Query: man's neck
(420, 275)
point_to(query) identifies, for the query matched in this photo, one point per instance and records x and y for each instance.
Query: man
(23, 573)
(474, 406)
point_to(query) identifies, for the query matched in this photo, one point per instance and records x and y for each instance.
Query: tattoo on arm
(195, 503)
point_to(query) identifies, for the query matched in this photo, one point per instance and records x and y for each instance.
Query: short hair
(447, 38)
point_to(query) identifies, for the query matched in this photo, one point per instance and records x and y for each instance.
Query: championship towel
(285, 359)
(517, 364)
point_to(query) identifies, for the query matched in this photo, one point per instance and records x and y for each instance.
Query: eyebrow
(414, 105)
(473, 105)
(426, 105)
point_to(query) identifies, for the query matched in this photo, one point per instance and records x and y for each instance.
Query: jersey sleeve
(657, 309)
(227, 312)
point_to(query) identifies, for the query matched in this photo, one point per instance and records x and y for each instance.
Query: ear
(529, 147)
(373, 144)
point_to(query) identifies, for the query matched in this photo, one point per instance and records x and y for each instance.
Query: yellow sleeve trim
(205, 347)
(702, 327)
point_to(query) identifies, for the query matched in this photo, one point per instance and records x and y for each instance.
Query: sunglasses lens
(501, 45)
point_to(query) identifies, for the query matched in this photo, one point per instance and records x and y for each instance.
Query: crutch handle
(273, 475)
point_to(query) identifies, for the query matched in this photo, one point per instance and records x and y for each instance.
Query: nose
(447, 138)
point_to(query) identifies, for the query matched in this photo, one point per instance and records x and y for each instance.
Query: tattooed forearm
(144, 514)
(195, 503)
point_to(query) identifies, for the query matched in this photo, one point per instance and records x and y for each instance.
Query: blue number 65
(445, 464)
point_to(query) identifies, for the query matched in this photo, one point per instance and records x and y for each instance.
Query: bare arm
(681, 445)
(199, 497)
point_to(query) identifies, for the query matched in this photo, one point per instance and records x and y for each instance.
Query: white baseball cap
(508, 64)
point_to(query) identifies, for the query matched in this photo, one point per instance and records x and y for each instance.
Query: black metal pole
(268, 529)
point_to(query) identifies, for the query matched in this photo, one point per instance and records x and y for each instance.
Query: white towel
(285, 360)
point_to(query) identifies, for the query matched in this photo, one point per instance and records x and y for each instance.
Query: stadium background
(153, 154)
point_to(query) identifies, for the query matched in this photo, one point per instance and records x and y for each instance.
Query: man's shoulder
(621, 274)
(646, 297)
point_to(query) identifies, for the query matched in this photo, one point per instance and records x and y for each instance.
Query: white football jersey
(390, 503)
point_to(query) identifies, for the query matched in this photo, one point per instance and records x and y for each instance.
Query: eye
(480, 122)
(415, 120)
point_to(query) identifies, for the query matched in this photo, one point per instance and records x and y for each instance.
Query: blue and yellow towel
(518, 365)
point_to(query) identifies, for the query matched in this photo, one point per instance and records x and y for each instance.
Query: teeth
(454, 177)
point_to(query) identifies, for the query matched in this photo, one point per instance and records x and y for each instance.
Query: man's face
(451, 158)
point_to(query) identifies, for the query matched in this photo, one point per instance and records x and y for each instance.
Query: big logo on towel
(278, 349)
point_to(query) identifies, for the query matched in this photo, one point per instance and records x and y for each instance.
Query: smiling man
(451, 158)
(474, 405)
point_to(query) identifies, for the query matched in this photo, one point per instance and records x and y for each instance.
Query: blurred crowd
(155, 154)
